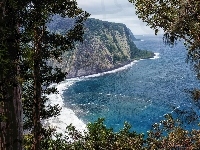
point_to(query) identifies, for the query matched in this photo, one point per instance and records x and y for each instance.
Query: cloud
(97, 7)
(119, 11)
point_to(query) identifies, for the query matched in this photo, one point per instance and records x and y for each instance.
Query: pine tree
(25, 49)
(10, 85)
(42, 46)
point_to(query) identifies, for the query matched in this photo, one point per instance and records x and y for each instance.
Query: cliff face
(106, 46)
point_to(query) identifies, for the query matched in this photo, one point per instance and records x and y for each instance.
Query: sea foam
(67, 116)
(111, 71)
(156, 56)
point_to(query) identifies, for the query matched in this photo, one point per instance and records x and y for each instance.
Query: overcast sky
(119, 11)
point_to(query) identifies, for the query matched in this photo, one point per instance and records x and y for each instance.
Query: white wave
(111, 71)
(67, 116)
(156, 56)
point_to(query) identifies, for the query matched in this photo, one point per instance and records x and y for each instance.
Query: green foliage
(168, 134)
(25, 48)
(104, 28)
(179, 19)
(51, 141)
(99, 137)
(39, 46)
(10, 81)
(106, 45)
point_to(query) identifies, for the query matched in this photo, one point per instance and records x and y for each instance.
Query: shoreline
(117, 68)
(60, 121)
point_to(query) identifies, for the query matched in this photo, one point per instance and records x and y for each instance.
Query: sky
(119, 11)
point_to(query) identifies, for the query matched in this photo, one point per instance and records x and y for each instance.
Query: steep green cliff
(106, 46)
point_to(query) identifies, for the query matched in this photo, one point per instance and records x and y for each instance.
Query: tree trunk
(37, 93)
(11, 127)
(10, 89)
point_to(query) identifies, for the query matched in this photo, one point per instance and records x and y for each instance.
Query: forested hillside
(105, 46)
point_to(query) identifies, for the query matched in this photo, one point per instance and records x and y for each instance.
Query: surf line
(118, 69)
(67, 116)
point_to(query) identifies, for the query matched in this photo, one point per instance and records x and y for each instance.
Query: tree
(10, 85)
(177, 18)
(25, 49)
(167, 134)
(41, 47)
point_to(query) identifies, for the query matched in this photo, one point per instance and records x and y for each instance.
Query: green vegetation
(106, 46)
(179, 19)
(10, 104)
(28, 46)
(117, 38)
(168, 134)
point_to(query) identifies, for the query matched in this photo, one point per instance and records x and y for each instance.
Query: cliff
(106, 46)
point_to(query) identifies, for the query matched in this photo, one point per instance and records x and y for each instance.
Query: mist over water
(140, 94)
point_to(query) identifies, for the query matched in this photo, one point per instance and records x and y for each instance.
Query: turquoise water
(141, 94)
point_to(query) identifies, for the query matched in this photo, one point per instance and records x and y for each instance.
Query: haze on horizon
(119, 11)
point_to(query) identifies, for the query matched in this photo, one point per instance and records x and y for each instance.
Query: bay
(141, 94)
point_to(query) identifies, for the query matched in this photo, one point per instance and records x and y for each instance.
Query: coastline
(117, 68)
(60, 122)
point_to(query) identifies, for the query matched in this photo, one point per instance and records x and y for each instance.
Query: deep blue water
(140, 95)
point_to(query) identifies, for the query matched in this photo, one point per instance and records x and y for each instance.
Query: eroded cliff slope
(105, 46)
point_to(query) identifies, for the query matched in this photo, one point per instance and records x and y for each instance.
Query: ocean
(140, 93)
